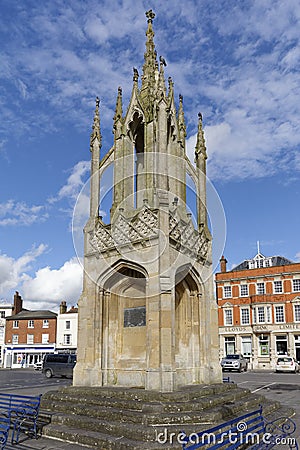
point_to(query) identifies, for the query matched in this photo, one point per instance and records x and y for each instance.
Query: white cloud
(48, 287)
(240, 67)
(21, 214)
(12, 271)
(74, 182)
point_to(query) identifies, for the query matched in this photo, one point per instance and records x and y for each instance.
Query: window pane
(260, 288)
(296, 285)
(246, 345)
(263, 345)
(45, 338)
(229, 345)
(244, 290)
(281, 345)
(228, 316)
(297, 313)
(279, 313)
(227, 291)
(245, 316)
(30, 338)
(261, 314)
(277, 287)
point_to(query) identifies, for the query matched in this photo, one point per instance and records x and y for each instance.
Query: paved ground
(44, 444)
(282, 387)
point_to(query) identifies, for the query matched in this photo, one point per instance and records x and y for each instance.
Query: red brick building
(259, 309)
(28, 335)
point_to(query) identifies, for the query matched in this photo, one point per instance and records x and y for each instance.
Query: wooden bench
(250, 431)
(22, 412)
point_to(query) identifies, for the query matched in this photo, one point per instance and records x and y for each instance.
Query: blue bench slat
(223, 436)
(21, 411)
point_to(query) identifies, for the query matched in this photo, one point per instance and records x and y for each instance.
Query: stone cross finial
(135, 74)
(97, 102)
(200, 116)
(150, 15)
(162, 61)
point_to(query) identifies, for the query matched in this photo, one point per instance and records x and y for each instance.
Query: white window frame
(296, 285)
(276, 289)
(226, 322)
(45, 338)
(276, 308)
(296, 310)
(45, 323)
(244, 287)
(262, 314)
(264, 342)
(30, 339)
(15, 324)
(68, 325)
(30, 323)
(245, 341)
(68, 339)
(259, 285)
(243, 322)
(15, 339)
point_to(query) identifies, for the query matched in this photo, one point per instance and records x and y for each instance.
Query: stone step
(140, 395)
(99, 421)
(141, 431)
(66, 400)
(102, 441)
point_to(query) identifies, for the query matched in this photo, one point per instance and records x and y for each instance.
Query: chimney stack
(18, 303)
(63, 307)
(223, 263)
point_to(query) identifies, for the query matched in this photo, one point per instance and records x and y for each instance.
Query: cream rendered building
(147, 314)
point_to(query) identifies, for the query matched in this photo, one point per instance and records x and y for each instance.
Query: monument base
(111, 418)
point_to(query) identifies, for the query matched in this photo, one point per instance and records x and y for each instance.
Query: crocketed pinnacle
(181, 121)
(150, 62)
(200, 148)
(161, 78)
(96, 134)
(119, 108)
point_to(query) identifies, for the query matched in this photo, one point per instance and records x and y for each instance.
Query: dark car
(234, 362)
(58, 365)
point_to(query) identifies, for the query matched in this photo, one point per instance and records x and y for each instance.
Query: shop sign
(289, 326)
(260, 328)
(235, 329)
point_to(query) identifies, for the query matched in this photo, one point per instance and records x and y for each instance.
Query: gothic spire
(200, 148)
(96, 134)
(150, 62)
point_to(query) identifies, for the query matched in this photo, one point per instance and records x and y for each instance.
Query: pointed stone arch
(124, 324)
(189, 334)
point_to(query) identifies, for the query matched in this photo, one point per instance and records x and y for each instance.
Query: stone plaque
(135, 317)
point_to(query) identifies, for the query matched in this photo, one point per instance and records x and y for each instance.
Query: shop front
(23, 356)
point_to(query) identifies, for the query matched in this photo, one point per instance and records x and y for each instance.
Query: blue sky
(236, 62)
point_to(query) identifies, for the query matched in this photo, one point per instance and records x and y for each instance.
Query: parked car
(38, 365)
(287, 364)
(58, 364)
(234, 362)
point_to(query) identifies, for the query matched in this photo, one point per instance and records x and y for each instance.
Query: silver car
(234, 362)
